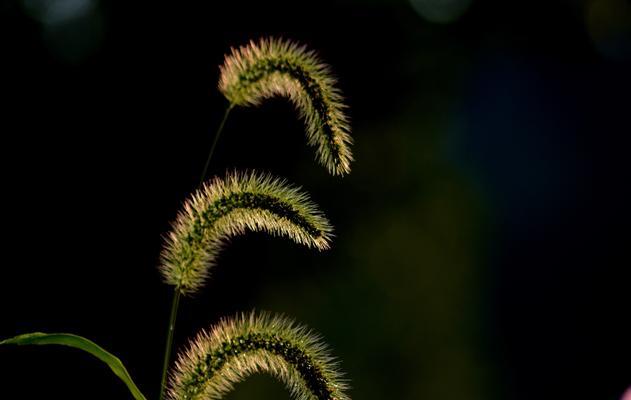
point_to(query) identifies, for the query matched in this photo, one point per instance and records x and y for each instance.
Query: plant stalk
(177, 293)
(169, 345)
(215, 140)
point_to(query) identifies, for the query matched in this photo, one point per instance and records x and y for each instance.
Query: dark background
(482, 247)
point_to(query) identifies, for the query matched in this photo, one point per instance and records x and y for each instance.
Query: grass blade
(78, 342)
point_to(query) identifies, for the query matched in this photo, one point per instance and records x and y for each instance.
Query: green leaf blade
(81, 343)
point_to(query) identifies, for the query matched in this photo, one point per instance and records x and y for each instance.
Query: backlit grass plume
(248, 344)
(275, 67)
(229, 206)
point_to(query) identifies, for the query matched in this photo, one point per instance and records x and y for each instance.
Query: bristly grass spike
(254, 343)
(275, 67)
(225, 207)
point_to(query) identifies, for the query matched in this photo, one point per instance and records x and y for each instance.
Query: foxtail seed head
(228, 207)
(275, 67)
(236, 348)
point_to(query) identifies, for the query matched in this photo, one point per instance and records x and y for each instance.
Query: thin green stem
(177, 293)
(215, 140)
(169, 345)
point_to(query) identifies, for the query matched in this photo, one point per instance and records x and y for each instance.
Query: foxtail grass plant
(230, 205)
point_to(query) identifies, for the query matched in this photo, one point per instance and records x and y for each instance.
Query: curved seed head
(230, 206)
(248, 344)
(275, 67)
